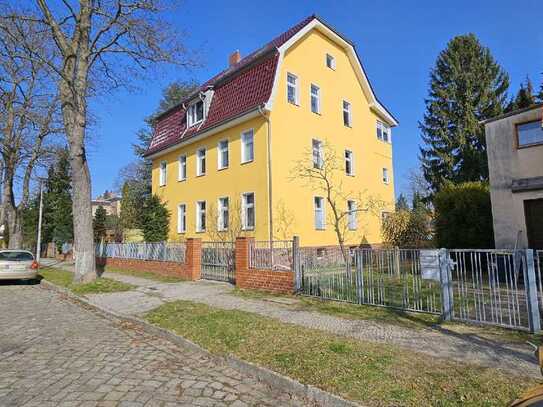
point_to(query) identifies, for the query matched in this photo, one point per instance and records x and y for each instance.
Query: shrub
(407, 228)
(464, 216)
(155, 220)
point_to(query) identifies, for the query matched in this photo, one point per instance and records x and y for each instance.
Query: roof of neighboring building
(239, 89)
(513, 113)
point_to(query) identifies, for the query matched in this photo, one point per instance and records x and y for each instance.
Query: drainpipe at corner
(269, 175)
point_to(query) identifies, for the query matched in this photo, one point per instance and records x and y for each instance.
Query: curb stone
(272, 379)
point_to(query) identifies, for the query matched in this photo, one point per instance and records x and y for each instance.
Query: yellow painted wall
(294, 127)
(231, 182)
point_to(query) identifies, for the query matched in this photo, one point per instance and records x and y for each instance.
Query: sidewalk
(439, 342)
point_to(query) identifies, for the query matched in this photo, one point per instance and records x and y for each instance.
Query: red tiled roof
(237, 90)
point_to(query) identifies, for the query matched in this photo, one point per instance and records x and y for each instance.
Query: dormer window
(195, 113)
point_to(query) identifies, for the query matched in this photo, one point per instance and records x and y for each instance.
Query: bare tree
(101, 45)
(234, 225)
(284, 222)
(323, 174)
(28, 116)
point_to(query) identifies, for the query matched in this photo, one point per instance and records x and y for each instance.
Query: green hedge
(464, 216)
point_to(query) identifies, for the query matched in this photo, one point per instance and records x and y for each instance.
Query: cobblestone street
(54, 352)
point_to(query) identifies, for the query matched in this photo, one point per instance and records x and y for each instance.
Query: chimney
(234, 58)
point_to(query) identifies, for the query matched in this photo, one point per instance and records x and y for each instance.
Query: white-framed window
(318, 203)
(383, 132)
(351, 213)
(247, 146)
(315, 99)
(224, 214)
(182, 170)
(347, 114)
(330, 62)
(248, 210)
(292, 89)
(386, 177)
(529, 134)
(222, 154)
(349, 162)
(195, 113)
(181, 218)
(162, 173)
(316, 147)
(201, 216)
(201, 161)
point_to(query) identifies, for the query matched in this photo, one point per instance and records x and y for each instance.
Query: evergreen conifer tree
(99, 224)
(155, 220)
(466, 86)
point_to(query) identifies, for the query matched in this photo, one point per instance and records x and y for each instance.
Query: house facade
(225, 158)
(515, 160)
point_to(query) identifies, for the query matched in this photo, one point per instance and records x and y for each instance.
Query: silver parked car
(17, 264)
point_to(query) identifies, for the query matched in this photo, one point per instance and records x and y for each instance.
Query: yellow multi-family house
(231, 156)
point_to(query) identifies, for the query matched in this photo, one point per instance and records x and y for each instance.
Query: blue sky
(398, 42)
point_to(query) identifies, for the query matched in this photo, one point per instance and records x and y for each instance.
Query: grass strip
(65, 279)
(369, 373)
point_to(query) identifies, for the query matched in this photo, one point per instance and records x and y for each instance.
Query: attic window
(195, 113)
(330, 62)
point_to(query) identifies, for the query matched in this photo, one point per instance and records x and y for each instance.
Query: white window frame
(199, 227)
(191, 113)
(223, 210)
(162, 173)
(349, 158)
(332, 59)
(386, 176)
(352, 215)
(182, 167)
(349, 111)
(381, 130)
(384, 215)
(199, 160)
(181, 218)
(220, 164)
(244, 138)
(295, 86)
(244, 212)
(317, 97)
(322, 211)
(317, 153)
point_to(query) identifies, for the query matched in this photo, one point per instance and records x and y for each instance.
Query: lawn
(64, 278)
(145, 274)
(372, 374)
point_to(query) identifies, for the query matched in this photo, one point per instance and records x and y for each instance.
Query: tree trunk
(85, 267)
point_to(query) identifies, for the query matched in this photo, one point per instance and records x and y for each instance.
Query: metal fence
(387, 277)
(489, 286)
(160, 251)
(497, 287)
(271, 255)
(218, 261)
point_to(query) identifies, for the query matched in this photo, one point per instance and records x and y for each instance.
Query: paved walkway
(57, 353)
(440, 342)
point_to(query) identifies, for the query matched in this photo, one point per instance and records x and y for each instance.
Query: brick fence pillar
(193, 258)
(242, 253)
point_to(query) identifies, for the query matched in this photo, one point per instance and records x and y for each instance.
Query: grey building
(515, 161)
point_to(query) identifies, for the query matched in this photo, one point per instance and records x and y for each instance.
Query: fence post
(296, 263)
(359, 281)
(193, 258)
(531, 293)
(446, 284)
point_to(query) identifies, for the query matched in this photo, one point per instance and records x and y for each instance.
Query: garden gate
(218, 261)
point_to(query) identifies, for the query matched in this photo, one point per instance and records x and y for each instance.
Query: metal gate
(218, 261)
(490, 287)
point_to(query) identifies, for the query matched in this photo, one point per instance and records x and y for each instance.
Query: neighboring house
(515, 160)
(109, 201)
(227, 151)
